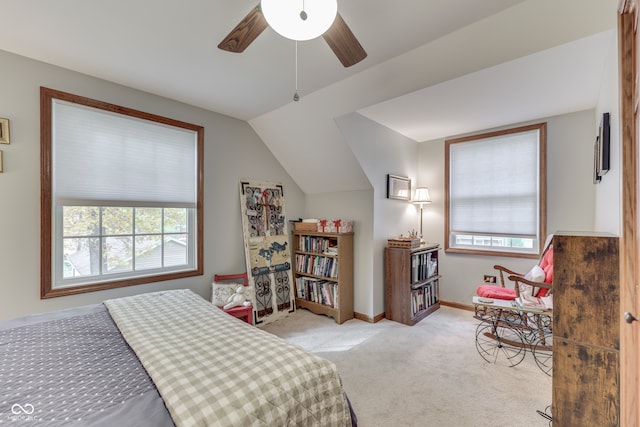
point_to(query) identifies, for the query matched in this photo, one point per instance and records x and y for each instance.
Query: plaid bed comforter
(213, 369)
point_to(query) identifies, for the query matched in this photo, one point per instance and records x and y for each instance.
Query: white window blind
(494, 185)
(108, 159)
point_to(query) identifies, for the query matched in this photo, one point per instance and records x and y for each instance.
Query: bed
(161, 359)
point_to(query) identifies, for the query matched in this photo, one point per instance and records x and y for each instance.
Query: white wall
(570, 199)
(381, 151)
(356, 206)
(232, 151)
(608, 192)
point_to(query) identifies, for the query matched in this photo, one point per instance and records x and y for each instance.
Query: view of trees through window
(121, 196)
(109, 240)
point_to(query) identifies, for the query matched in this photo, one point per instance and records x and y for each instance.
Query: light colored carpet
(429, 374)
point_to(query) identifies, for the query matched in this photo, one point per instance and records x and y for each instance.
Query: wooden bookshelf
(323, 273)
(412, 283)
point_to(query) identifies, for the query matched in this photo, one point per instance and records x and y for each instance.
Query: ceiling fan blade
(245, 32)
(343, 43)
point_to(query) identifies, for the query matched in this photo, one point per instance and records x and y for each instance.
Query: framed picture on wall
(4, 131)
(398, 187)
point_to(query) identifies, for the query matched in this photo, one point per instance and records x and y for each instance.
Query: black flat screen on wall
(605, 132)
(602, 149)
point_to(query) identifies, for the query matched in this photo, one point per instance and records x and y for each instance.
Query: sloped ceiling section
(554, 81)
(535, 59)
(414, 46)
(169, 47)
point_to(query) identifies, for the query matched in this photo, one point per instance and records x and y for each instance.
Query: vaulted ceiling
(429, 63)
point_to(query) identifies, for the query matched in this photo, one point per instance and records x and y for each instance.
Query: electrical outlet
(489, 279)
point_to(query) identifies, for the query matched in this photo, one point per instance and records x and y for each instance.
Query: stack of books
(534, 303)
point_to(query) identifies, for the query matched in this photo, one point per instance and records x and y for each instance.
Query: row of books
(423, 266)
(318, 244)
(317, 290)
(424, 297)
(317, 265)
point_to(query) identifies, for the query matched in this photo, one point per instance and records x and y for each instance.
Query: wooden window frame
(46, 196)
(542, 192)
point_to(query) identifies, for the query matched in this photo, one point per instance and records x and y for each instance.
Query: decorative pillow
(536, 274)
(547, 265)
(220, 292)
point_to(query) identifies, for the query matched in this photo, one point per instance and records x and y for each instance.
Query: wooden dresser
(586, 338)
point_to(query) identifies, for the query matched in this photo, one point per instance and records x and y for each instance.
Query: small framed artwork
(4, 131)
(398, 187)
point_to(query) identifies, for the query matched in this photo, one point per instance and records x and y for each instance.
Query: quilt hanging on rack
(267, 253)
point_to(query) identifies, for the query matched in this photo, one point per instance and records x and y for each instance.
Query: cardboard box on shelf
(306, 225)
(335, 226)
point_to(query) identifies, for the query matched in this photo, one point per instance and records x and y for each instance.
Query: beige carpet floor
(429, 374)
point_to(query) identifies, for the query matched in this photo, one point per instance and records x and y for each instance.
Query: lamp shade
(421, 195)
(299, 19)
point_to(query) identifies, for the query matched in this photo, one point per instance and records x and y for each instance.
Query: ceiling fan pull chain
(296, 97)
(303, 13)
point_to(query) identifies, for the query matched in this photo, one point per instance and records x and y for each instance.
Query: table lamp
(421, 197)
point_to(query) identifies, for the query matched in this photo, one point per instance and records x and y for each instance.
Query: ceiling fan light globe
(285, 17)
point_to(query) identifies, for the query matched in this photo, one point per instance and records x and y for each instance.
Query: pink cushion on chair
(497, 292)
(546, 264)
(542, 292)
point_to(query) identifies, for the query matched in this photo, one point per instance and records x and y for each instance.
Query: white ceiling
(435, 68)
(169, 47)
(569, 75)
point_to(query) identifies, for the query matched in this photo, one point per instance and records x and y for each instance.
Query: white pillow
(220, 292)
(536, 274)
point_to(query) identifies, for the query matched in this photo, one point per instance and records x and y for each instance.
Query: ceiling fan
(339, 37)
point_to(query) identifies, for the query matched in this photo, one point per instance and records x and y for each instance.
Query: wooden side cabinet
(586, 336)
(412, 283)
(323, 273)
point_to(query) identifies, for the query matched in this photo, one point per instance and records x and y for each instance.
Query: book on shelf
(313, 243)
(436, 291)
(432, 266)
(317, 290)
(317, 265)
(417, 300)
(423, 266)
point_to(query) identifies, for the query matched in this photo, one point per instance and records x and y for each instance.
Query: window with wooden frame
(121, 196)
(496, 192)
